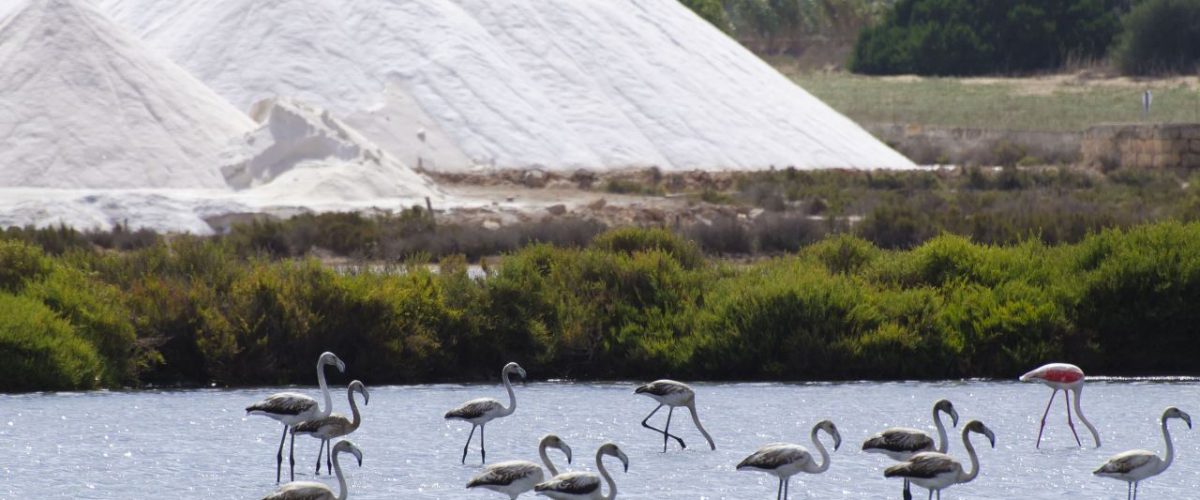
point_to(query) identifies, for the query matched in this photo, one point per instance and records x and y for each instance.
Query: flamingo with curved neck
(481, 411)
(786, 460)
(936, 471)
(317, 491)
(292, 409)
(335, 425)
(516, 477)
(1137, 465)
(1067, 378)
(585, 485)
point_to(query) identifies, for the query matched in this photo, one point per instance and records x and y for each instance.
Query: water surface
(196, 444)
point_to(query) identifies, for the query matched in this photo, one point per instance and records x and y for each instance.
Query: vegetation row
(632, 303)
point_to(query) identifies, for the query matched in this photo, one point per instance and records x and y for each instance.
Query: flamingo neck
(546, 460)
(337, 469)
(696, 419)
(355, 416)
(970, 476)
(1079, 412)
(612, 485)
(943, 440)
(512, 397)
(1170, 457)
(324, 390)
(821, 448)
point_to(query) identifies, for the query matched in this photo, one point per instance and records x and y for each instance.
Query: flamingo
(335, 425)
(672, 394)
(483, 410)
(937, 471)
(1136, 465)
(308, 490)
(1064, 377)
(585, 485)
(785, 460)
(518, 476)
(291, 409)
(901, 443)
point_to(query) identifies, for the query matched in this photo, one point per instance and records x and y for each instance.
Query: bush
(965, 37)
(21, 263)
(1160, 36)
(632, 240)
(711, 10)
(98, 315)
(38, 350)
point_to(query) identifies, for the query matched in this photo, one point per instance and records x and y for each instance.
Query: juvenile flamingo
(308, 490)
(937, 471)
(1064, 377)
(672, 394)
(585, 485)
(901, 443)
(785, 460)
(292, 409)
(519, 476)
(483, 410)
(335, 425)
(1136, 465)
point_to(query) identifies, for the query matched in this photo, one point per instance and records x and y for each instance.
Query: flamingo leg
(779, 492)
(930, 494)
(328, 457)
(468, 445)
(787, 488)
(292, 456)
(907, 490)
(667, 429)
(1067, 395)
(1047, 412)
(1135, 488)
(482, 447)
(1129, 490)
(279, 455)
(660, 431)
(320, 451)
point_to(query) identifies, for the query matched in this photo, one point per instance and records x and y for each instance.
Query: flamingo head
(514, 368)
(827, 426)
(1174, 412)
(553, 441)
(947, 407)
(348, 447)
(331, 359)
(358, 386)
(612, 450)
(978, 428)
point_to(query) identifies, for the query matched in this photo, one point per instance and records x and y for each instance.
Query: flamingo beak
(953, 416)
(566, 451)
(341, 366)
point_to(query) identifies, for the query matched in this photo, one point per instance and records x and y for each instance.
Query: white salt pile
(303, 156)
(553, 84)
(84, 105)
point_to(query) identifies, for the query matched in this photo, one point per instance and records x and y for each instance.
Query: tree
(711, 10)
(1161, 36)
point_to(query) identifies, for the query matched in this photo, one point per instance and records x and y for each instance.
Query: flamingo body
(516, 477)
(291, 409)
(585, 485)
(784, 460)
(483, 410)
(1136, 465)
(1067, 378)
(672, 394)
(937, 471)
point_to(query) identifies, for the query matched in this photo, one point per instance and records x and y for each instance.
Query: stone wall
(928, 145)
(1142, 146)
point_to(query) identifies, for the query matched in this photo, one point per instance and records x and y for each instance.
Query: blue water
(199, 444)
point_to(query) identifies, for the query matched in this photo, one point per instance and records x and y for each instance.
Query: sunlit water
(200, 444)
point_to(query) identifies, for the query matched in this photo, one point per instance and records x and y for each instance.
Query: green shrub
(711, 10)
(39, 350)
(1161, 36)
(964, 37)
(632, 240)
(97, 314)
(21, 263)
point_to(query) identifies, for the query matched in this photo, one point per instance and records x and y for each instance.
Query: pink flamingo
(1064, 377)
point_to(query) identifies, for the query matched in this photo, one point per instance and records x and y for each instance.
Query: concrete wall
(1142, 146)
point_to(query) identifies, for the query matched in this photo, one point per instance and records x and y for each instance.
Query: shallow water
(194, 444)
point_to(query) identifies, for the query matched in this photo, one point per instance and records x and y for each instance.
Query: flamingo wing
(474, 408)
(900, 440)
(774, 456)
(504, 473)
(663, 388)
(335, 420)
(284, 403)
(304, 490)
(571, 483)
(923, 466)
(1126, 462)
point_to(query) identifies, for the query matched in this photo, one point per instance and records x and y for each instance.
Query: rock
(598, 204)
(559, 209)
(533, 178)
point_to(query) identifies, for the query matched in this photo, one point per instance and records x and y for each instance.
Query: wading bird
(785, 460)
(585, 485)
(481, 411)
(901, 443)
(937, 471)
(518, 476)
(1136, 465)
(335, 425)
(671, 394)
(308, 490)
(1064, 377)
(291, 409)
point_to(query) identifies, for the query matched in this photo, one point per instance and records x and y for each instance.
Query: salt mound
(600, 84)
(301, 154)
(85, 105)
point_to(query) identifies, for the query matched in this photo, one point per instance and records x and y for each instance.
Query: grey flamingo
(335, 425)
(1136, 465)
(901, 443)
(672, 394)
(291, 409)
(784, 460)
(481, 411)
(519, 476)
